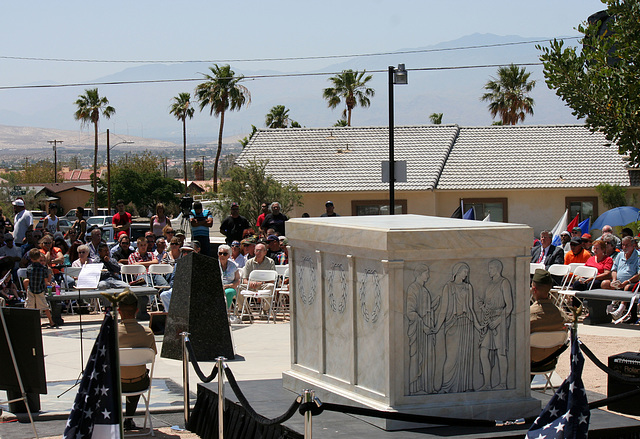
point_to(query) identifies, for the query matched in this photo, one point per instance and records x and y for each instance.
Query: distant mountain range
(142, 110)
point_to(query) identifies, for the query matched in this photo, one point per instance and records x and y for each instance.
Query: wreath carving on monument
(337, 269)
(308, 285)
(377, 295)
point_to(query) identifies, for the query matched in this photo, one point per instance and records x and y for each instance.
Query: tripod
(81, 346)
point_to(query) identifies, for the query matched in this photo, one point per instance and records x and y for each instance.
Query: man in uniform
(133, 335)
(544, 316)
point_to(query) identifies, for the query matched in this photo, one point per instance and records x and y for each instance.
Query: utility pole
(55, 158)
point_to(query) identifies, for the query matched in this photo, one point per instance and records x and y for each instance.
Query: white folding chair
(546, 340)
(580, 271)
(282, 296)
(562, 271)
(132, 272)
(533, 266)
(139, 357)
(160, 269)
(253, 298)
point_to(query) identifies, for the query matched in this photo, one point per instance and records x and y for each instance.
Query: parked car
(102, 211)
(64, 223)
(99, 220)
(137, 230)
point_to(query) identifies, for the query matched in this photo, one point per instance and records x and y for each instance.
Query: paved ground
(263, 351)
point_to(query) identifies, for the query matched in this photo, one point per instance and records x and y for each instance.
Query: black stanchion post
(185, 376)
(220, 361)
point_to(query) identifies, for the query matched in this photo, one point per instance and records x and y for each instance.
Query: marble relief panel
(371, 324)
(338, 311)
(308, 310)
(459, 336)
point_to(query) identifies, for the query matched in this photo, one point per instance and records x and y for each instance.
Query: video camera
(185, 205)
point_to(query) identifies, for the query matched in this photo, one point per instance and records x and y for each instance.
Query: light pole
(396, 76)
(55, 158)
(109, 148)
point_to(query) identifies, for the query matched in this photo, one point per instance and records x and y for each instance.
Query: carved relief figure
(495, 307)
(458, 319)
(421, 314)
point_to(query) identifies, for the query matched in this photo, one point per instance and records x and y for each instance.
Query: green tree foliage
(350, 86)
(221, 91)
(138, 179)
(601, 83)
(341, 123)
(435, 118)
(182, 110)
(34, 172)
(90, 106)
(250, 187)
(508, 94)
(612, 195)
(278, 117)
(244, 142)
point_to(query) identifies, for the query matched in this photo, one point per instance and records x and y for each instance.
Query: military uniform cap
(128, 298)
(542, 277)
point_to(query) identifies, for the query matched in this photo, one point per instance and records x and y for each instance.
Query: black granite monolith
(198, 307)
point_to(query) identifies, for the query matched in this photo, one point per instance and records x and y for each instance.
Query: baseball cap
(18, 202)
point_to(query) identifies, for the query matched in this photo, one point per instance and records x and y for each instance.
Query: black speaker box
(26, 338)
(198, 306)
(627, 364)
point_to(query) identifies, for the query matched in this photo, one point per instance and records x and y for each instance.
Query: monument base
(496, 408)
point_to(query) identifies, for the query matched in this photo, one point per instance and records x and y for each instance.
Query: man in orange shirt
(577, 253)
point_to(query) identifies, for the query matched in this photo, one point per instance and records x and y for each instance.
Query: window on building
(377, 207)
(496, 207)
(584, 207)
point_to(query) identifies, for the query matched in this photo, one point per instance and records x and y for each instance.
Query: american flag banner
(97, 411)
(567, 413)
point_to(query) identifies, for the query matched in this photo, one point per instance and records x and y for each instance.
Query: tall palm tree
(182, 109)
(352, 87)
(278, 117)
(508, 94)
(221, 91)
(90, 107)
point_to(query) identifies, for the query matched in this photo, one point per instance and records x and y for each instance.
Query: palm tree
(435, 118)
(221, 91)
(278, 117)
(90, 107)
(508, 95)
(182, 109)
(352, 87)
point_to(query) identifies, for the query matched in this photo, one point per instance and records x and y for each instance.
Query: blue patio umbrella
(620, 216)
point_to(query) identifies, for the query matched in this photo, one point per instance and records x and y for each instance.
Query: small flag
(97, 408)
(487, 218)
(567, 413)
(585, 225)
(459, 210)
(573, 223)
(469, 214)
(560, 226)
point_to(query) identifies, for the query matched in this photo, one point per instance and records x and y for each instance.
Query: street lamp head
(400, 76)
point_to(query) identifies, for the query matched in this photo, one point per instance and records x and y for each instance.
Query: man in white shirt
(22, 222)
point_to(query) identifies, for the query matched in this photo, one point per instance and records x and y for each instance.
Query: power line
(279, 75)
(293, 58)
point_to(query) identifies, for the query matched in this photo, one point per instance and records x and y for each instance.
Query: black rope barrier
(257, 417)
(316, 410)
(196, 366)
(615, 398)
(617, 375)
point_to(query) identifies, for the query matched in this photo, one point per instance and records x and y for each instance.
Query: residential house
(525, 174)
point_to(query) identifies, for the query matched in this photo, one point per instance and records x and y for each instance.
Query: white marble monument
(412, 313)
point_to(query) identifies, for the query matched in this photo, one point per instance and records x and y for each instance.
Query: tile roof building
(527, 174)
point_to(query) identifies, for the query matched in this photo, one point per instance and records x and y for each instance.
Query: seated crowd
(616, 259)
(161, 244)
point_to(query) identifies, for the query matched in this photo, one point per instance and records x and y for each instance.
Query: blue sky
(210, 30)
